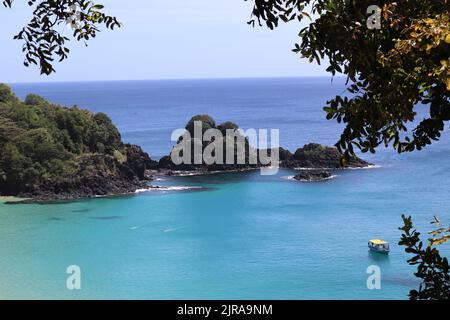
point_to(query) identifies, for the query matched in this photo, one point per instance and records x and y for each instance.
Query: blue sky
(164, 39)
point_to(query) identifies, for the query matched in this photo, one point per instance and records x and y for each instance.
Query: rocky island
(312, 175)
(50, 152)
(310, 156)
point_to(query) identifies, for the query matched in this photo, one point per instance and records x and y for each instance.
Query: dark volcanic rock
(314, 155)
(52, 152)
(98, 175)
(189, 142)
(313, 175)
(285, 155)
(310, 156)
(166, 166)
(165, 163)
(139, 161)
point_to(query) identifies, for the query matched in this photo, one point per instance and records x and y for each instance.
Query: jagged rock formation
(313, 175)
(314, 155)
(51, 152)
(310, 156)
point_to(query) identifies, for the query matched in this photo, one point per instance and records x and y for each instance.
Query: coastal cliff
(50, 152)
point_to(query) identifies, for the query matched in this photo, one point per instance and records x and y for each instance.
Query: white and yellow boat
(379, 246)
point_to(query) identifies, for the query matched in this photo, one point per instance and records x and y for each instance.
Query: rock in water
(311, 156)
(313, 175)
(189, 142)
(315, 156)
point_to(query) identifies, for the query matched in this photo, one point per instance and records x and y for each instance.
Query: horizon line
(177, 79)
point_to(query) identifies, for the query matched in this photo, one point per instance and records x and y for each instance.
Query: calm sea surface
(243, 235)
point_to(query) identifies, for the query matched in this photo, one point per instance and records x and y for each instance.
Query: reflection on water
(399, 279)
(378, 257)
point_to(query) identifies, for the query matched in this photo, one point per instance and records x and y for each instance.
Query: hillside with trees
(50, 151)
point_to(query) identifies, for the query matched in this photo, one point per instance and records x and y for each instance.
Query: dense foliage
(207, 122)
(42, 37)
(432, 268)
(41, 142)
(390, 70)
(228, 143)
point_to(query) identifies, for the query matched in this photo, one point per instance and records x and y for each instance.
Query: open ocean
(245, 236)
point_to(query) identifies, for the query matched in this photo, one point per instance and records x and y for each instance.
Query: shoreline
(11, 199)
(161, 175)
(18, 200)
(371, 166)
(194, 173)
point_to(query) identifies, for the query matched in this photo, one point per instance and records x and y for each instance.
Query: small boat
(380, 246)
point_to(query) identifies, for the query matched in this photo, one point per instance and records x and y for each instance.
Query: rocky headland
(51, 152)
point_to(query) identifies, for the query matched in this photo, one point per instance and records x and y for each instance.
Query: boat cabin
(378, 245)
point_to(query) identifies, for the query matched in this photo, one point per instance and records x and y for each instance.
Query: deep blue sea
(243, 236)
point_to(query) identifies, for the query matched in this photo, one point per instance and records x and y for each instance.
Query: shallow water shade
(245, 235)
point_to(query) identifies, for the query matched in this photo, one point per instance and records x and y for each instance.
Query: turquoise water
(242, 236)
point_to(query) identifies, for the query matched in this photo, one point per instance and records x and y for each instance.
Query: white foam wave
(373, 166)
(206, 173)
(141, 190)
(168, 188)
(292, 178)
(177, 188)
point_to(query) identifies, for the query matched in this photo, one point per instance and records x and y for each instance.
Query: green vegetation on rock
(46, 146)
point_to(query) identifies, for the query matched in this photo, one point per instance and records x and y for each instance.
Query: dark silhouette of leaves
(391, 72)
(432, 268)
(43, 38)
